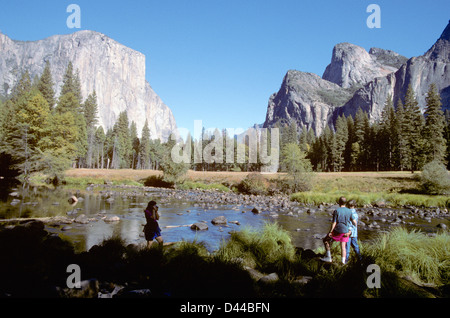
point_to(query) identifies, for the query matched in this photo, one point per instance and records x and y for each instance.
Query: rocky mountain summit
(356, 79)
(114, 71)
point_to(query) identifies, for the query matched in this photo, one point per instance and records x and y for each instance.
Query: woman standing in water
(151, 229)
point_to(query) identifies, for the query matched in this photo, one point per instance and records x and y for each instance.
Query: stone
(303, 280)
(254, 273)
(255, 210)
(271, 278)
(82, 219)
(72, 200)
(442, 226)
(199, 226)
(219, 220)
(112, 218)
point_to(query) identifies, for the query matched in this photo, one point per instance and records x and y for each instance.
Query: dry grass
(324, 182)
(368, 182)
(137, 175)
(112, 174)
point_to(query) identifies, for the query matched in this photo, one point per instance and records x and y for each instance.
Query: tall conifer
(45, 86)
(435, 143)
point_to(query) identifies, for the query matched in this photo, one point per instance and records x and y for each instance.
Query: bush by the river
(435, 179)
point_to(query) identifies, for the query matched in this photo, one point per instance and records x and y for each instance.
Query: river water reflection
(306, 228)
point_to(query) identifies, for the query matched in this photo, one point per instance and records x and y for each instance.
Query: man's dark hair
(342, 201)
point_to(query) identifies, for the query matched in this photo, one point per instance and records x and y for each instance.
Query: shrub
(172, 171)
(298, 168)
(435, 178)
(254, 183)
(157, 182)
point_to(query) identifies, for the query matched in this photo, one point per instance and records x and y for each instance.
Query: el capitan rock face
(114, 71)
(361, 80)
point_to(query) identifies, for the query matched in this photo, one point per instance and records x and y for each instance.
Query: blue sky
(220, 60)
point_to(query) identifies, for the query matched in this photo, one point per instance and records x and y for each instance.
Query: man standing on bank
(339, 230)
(151, 229)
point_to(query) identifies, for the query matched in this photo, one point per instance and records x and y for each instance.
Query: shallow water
(177, 213)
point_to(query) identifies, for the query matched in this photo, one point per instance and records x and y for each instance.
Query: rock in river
(219, 220)
(199, 226)
(82, 219)
(112, 218)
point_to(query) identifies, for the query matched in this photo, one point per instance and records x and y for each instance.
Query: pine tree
(387, 136)
(45, 86)
(134, 145)
(35, 114)
(123, 144)
(22, 88)
(144, 147)
(401, 153)
(348, 147)
(90, 109)
(360, 131)
(328, 148)
(68, 103)
(292, 133)
(375, 148)
(412, 128)
(447, 136)
(77, 86)
(435, 143)
(341, 138)
(100, 139)
(303, 139)
(68, 85)
(3, 112)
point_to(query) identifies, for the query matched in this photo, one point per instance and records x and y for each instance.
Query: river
(179, 209)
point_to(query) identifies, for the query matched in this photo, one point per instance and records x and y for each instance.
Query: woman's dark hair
(150, 204)
(351, 203)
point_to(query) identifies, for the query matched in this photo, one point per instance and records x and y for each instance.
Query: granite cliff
(357, 78)
(114, 71)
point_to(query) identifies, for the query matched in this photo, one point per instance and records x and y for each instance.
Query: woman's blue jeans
(353, 241)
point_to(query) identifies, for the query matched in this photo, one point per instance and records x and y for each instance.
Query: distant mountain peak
(357, 79)
(441, 49)
(446, 34)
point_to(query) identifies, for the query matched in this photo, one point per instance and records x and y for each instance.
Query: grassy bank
(375, 198)
(412, 265)
(392, 188)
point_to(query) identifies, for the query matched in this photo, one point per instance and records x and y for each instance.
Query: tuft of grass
(412, 253)
(269, 249)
